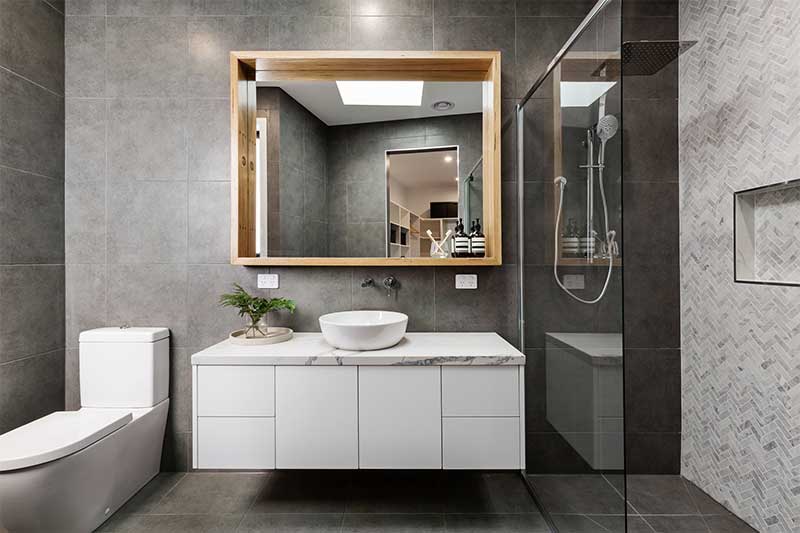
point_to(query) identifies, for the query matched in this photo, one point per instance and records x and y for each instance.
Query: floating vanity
(433, 401)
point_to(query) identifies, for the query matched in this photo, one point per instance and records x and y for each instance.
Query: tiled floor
(317, 502)
(668, 504)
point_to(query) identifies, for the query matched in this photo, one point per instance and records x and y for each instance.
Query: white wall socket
(574, 281)
(268, 281)
(466, 281)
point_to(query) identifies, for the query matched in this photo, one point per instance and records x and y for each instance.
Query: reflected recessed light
(384, 93)
(448, 159)
(583, 93)
(456, 178)
(442, 105)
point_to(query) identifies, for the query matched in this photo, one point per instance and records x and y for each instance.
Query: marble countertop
(415, 349)
(597, 348)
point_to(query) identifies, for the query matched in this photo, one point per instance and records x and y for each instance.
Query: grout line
(39, 85)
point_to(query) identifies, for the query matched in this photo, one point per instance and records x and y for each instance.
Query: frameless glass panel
(572, 278)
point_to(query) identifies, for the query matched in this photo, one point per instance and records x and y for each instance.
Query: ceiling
(323, 100)
(424, 169)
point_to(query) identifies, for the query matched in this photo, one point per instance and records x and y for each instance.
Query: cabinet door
(481, 443)
(316, 417)
(235, 391)
(236, 442)
(480, 391)
(400, 417)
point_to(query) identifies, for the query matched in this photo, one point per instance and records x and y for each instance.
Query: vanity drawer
(235, 442)
(480, 391)
(481, 443)
(236, 390)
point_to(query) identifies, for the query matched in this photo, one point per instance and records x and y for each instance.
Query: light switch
(574, 281)
(268, 281)
(466, 281)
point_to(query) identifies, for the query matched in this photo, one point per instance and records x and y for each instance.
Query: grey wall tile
(33, 134)
(308, 33)
(85, 56)
(415, 296)
(652, 453)
(31, 218)
(85, 7)
(653, 391)
(85, 300)
(177, 453)
(149, 295)
(85, 140)
(363, 203)
(419, 8)
(537, 41)
(299, 8)
(72, 390)
(33, 30)
(218, 7)
(209, 222)
(137, 8)
(208, 126)
(210, 323)
(554, 8)
(650, 138)
(366, 239)
(315, 200)
(652, 306)
(31, 388)
(315, 291)
(474, 8)
(146, 56)
(147, 139)
(147, 222)
(180, 390)
(210, 41)
(32, 300)
(85, 222)
(391, 33)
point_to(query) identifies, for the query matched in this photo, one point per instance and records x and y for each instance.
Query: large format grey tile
(180, 389)
(212, 493)
(391, 33)
(553, 8)
(85, 222)
(146, 8)
(85, 140)
(487, 493)
(209, 222)
(315, 291)
(32, 119)
(31, 36)
(474, 8)
(677, 524)
(578, 494)
(414, 297)
(176, 456)
(420, 8)
(85, 7)
(72, 385)
(147, 222)
(396, 492)
(308, 33)
(653, 390)
(32, 300)
(210, 41)
(85, 56)
(301, 492)
(650, 140)
(393, 523)
(706, 505)
(175, 523)
(653, 453)
(366, 201)
(659, 495)
(299, 8)
(147, 139)
(652, 306)
(496, 523)
(31, 218)
(291, 523)
(218, 7)
(727, 524)
(149, 295)
(85, 300)
(537, 41)
(146, 56)
(31, 388)
(208, 139)
(146, 500)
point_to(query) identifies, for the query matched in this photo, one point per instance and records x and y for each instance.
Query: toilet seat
(57, 435)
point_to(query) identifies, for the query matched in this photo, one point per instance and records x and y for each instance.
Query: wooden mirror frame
(247, 68)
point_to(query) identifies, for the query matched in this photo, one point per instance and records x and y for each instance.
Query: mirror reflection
(367, 168)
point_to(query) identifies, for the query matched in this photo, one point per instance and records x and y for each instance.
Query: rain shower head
(645, 58)
(607, 127)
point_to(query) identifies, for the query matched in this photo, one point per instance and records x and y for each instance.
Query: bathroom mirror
(358, 158)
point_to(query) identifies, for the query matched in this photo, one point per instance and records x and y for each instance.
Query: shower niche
(766, 229)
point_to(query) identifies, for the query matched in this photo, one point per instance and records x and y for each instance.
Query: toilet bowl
(69, 471)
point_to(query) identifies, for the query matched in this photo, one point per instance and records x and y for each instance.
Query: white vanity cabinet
(435, 402)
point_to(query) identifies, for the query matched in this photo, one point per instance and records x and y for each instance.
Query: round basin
(363, 330)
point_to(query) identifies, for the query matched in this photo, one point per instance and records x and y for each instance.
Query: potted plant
(254, 309)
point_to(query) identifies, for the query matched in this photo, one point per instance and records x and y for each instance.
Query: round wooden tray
(274, 335)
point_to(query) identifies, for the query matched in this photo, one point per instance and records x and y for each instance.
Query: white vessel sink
(363, 330)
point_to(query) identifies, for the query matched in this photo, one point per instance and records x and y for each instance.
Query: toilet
(69, 471)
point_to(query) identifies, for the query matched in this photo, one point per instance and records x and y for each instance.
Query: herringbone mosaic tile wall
(739, 110)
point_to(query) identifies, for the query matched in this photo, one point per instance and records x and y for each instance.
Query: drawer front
(481, 443)
(236, 442)
(480, 391)
(236, 391)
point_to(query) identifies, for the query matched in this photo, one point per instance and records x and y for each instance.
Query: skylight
(381, 93)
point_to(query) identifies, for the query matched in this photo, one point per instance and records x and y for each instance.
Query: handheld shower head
(607, 127)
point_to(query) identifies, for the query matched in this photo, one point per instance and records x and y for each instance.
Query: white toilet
(69, 471)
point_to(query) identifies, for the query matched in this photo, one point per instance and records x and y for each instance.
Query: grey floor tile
(706, 505)
(396, 492)
(196, 523)
(303, 492)
(144, 501)
(577, 523)
(677, 523)
(482, 492)
(496, 523)
(616, 524)
(393, 523)
(212, 493)
(291, 523)
(727, 523)
(659, 495)
(579, 494)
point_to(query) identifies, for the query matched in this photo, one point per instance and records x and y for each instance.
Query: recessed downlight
(442, 105)
(448, 159)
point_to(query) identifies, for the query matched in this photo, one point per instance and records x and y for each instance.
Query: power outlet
(466, 281)
(574, 281)
(268, 281)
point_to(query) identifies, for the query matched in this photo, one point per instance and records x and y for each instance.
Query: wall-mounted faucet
(391, 284)
(367, 283)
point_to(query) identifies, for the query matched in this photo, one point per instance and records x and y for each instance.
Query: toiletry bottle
(478, 241)
(460, 241)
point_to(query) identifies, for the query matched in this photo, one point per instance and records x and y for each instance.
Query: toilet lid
(57, 435)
